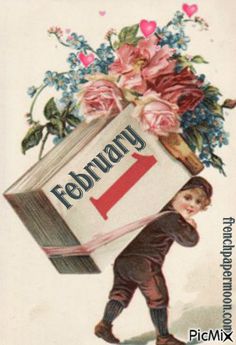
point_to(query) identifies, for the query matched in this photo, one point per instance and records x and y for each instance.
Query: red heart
(190, 9)
(147, 28)
(86, 59)
(102, 13)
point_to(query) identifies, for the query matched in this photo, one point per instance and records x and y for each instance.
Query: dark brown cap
(199, 182)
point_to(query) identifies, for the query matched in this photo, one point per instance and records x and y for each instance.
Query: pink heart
(147, 27)
(102, 13)
(189, 9)
(86, 59)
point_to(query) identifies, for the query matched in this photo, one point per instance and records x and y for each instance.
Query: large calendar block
(105, 175)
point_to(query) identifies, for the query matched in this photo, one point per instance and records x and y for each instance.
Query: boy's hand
(192, 222)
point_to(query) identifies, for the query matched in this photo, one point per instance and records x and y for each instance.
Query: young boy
(139, 264)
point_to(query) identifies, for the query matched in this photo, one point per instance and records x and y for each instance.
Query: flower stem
(168, 24)
(88, 47)
(188, 20)
(63, 43)
(40, 89)
(59, 39)
(110, 42)
(91, 49)
(43, 145)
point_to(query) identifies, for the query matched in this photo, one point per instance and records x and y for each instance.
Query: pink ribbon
(100, 240)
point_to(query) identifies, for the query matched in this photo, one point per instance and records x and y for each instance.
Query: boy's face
(189, 202)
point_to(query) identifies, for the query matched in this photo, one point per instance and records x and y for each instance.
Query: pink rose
(181, 88)
(157, 115)
(133, 81)
(159, 63)
(142, 64)
(147, 47)
(127, 55)
(128, 67)
(101, 98)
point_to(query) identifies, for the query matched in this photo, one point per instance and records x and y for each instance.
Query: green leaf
(116, 45)
(190, 138)
(56, 127)
(217, 109)
(128, 33)
(72, 120)
(198, 139)
(136, 40)
(203, 127)
(218, 163)
(229, 103)
(182, 59)
(214, 107)
(195, 138)
(211, 90)
(192, 69)
(32, 138)
(198, 59)
(184, 62)
(217, 160)
(50, 110)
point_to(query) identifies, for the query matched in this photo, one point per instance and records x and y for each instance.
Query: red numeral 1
(123, 184)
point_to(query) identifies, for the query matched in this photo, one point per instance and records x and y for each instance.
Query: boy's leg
(104, 328)
(159, 318)
(154, 289)
(112, 310)
(120, 296)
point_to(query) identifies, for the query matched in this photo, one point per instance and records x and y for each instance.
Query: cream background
(38, 305)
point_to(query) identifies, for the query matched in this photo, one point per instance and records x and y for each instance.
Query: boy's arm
(180, 230)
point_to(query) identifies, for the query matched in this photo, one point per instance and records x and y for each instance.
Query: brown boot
(168, 340)
(104, 330)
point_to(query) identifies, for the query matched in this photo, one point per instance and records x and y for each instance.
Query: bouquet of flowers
(144, 65)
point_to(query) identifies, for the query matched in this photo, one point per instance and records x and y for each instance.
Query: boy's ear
(205, 205)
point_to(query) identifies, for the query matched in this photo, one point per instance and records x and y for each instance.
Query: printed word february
(101, 164)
